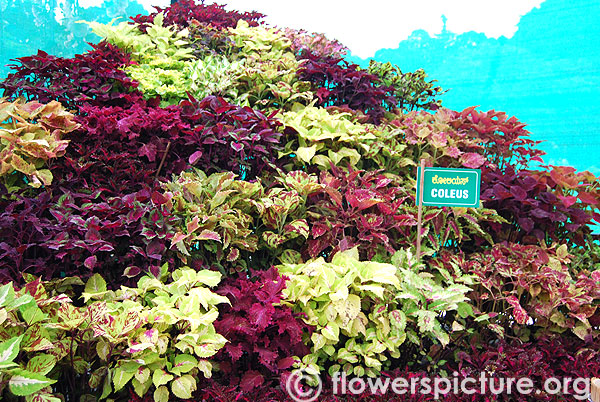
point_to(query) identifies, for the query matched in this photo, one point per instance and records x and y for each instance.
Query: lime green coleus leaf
(331, 332)
(161, 377)
(9, 350)
(23, 382)
(183, 364)
(32, 314)
(140, 388)
(161, 394)
(205, 367)
(209, 278)
(306, 153)
(7, 294)
(122, 374)
(183, 387)
(96, 284)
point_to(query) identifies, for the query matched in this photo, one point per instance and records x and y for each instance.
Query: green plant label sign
(449, 187)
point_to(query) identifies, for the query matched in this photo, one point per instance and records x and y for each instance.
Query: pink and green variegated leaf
(273, 240)
(233, 255)
(296, 228)
(208, 235)
(519, 312)
(179, 238)
(472, 160)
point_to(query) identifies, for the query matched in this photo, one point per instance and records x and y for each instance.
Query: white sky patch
(383, 24)
(59, 15)
(380, 24)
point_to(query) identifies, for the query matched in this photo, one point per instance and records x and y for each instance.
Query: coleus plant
(365, 311)
(158, 334)
(539, 360)
(423, 135)
(505, 140)
(537, 289)
(318, 137)
(30, 135)
(172, 80)
(95, 77)
(165, 66)
(411, 89)
(264, 336)
(206, 39)
(128, 149)
(543, 206)
(317, 43)
(345, 301)
(225, 221)
(377, 213)
(24, 378)
(80, 234)
(119, 149)
(339, 83)
(162, 333)
(186, 12)
(429, 294)
(158, 40)
(227, 137)
(269, 78)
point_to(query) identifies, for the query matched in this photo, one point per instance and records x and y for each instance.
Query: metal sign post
(420, 210)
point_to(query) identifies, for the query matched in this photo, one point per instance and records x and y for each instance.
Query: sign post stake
(420, 210)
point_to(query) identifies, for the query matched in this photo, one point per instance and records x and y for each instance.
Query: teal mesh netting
(51, 25)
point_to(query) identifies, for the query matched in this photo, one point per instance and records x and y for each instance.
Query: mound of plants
(203, 204)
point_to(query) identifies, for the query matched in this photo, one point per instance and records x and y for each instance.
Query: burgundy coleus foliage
(95, 77)
(541, 206)
(184, 12)
(229, 137)
(357, 209)
(262, 335)
(548, 357)
(339, 83)
(120, 149)
(78, 234)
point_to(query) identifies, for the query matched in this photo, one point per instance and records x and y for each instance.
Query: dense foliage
(202, 204)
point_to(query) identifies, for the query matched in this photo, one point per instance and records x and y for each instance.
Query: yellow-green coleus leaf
(23, 382)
